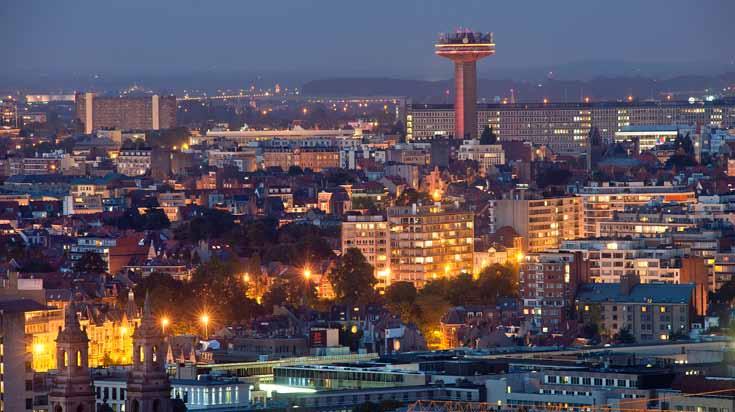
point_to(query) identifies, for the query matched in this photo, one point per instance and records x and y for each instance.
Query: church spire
(149, 388)
(72, 387)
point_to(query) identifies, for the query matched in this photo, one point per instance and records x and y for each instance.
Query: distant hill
(603, 88)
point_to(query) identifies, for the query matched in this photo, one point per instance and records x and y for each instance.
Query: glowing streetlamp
(246, 277)
(164, 323)
(519, 257)
(205, 321)
(307, 274)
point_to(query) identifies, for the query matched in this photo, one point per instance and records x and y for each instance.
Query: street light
(307, 274)
(519, 257)
(205, 320)
(164, 322)
(246, 277)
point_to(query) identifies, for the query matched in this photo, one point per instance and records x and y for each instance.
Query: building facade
(371, 235)
(565, 127)
(128, 113)
(601, 201)
(649, 312)
(543, 222)
(548, 283)
(428, 242)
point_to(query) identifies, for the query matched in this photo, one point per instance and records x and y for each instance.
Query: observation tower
(465, 48)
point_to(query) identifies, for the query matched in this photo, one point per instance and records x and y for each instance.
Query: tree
(400, 300)
(624, 336)
(488, 136)
(90, 262)
(497, 281)
(352, 278)
(294, 170)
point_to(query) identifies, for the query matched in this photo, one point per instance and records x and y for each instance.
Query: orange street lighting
(307, 274)
(164, 322)
(205, 321)
(246, 277)
(519, 257)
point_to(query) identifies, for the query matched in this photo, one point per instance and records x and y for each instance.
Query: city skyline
(225, 37)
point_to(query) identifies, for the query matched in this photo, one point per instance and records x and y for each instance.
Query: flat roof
(20, 306)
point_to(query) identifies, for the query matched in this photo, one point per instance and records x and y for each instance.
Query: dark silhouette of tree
(624, 336)
(352, 278)
(400, 298)
(294, 170)
(488, 136)
(90, 262)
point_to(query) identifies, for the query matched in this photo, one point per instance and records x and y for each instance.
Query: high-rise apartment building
(371, 235)
(565, 127)
(543, 222)
(428, 242)
(602, 201)
(152, 112)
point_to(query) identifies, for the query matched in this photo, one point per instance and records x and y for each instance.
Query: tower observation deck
(465, 48)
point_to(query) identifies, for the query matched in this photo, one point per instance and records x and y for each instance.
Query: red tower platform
(465, 48)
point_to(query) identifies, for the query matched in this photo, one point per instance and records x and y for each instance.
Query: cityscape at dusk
(330, 206)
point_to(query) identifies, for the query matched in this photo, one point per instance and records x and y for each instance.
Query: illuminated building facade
(565, 127)
(465, 48)
(134, 161)
(314, 158)
(548, 283)
(428, 242)
(650, 312)
(109, 330)
(486, 155)
(602, 201)
(371, 235)
(542, 222)
(152, 112)
(648, 137)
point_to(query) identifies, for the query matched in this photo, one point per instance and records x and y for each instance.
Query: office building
(245, 137)
(601, 201)
(543, 222)
(646, 137)
(151, 112)
(565, 127)
(428, 242)
(332, 377)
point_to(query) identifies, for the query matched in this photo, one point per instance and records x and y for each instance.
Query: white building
(486, 155)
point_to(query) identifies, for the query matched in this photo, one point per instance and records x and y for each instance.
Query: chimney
(628, 282)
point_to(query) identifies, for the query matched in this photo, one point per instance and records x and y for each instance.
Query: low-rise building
(649, 312)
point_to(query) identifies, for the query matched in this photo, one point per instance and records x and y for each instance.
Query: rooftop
(642, 293)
